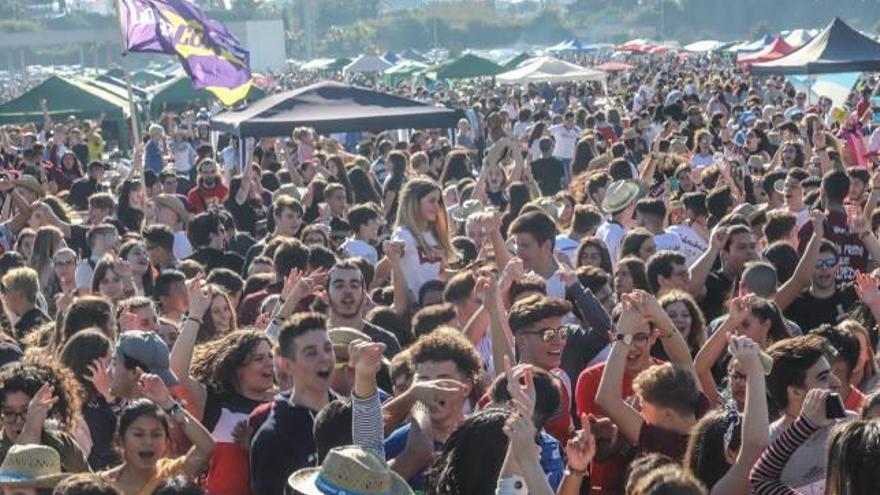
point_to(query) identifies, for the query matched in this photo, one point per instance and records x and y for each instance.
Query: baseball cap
(150, 351)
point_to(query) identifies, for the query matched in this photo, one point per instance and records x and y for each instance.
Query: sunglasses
(826, 263)
(550, 334)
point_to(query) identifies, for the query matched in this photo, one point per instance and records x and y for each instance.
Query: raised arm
(792, 288)
(703, 266)
(394, 252)
(194, 392)
(502, 338)
(198, 456)
(713, 349)
(755, 422)
(492, 228)
(610, 394)
(366, 417)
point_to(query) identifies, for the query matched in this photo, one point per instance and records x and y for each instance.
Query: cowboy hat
(31, 466)
(461, 212)
(620, 194)
(174, 204)
(350, 470)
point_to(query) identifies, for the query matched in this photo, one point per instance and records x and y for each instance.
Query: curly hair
(447, 344)
(215, 363)
(535, 308)
(35, 369)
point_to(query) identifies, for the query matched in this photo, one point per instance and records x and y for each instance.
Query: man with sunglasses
(540, 337)
(823, 301)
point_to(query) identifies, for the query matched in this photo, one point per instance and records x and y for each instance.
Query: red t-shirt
(660, 440)
(606, 477)
(855, 400)
(201, 199)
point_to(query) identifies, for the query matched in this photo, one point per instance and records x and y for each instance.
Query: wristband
(569, 471)
(174, 409)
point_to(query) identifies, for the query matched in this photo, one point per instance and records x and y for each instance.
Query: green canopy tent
(147, 77)
(514, 61)
(70, 97)
(178, 94)
(404, 71)
(467, 66)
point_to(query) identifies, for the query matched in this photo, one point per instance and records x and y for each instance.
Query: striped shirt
(766, 473)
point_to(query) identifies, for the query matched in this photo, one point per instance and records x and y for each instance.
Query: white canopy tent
(367, 63)
(799, 37)
(550, 69)
(704, 46)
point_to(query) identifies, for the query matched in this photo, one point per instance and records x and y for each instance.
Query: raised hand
(718, 238)
(100, 379)
(200, 296)
(814, 407)
(393, 250)
(512, 271)
(739, 308)
(152, 387)
(566, 273)
(41, 403)
(365, 357)
(868, 289)
(437, 391)
(746, 352)
(522, 394)
(861, 225)
(581, 448)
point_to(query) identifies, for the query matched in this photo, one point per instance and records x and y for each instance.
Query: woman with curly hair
(32, 391)
(222, 381)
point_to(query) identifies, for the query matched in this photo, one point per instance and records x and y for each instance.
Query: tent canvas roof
(704, 46)
(332, 107)
(754, 46)
(407, 67)
(467, 66)
(179, 90)
(799, 37)
(778, 49)
(838, 48)
(550, 69)
(67, 96)
(367, 63)
(517, 60)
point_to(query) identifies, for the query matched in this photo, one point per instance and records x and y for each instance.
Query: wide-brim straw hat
(174, 204)
(31, 466)
(350, 470)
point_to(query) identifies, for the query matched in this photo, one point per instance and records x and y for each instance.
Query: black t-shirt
(718, 291)
(101, 420)
(808, 311)
(82, 154)
(29, 321)
(379, 334)
(245, 215)
(548, 174)
(392, 184)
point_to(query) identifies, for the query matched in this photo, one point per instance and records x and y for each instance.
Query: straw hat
(31, 466)
(461, 212)
(629, 133)
(30, 183)
(174, 204)
(350, 470)
(620, 194)
(678, 146)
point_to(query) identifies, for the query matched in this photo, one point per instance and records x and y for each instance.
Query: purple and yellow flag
(211, 55)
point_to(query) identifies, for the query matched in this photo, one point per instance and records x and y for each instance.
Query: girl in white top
(423, 230)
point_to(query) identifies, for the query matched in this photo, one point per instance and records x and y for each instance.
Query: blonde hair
(408, 214)
(46, 243)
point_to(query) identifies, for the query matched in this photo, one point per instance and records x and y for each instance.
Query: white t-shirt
(83, 274)
(361, 249)
(700, 161)
(567, 245)
(418, 265)
(611, 233)
(566, 141)
(182, 247)
(667, 242)
(692, 245)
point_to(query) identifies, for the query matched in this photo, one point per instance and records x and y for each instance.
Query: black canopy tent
(332, 107)
(838, 48)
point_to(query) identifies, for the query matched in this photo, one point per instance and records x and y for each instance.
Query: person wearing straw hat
(349, 470)
(30, 470)
(170, 211)
(620, 203)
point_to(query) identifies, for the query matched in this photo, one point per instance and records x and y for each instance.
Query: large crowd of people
(665, 286)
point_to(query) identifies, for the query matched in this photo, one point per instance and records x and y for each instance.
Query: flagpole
(135, 130)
